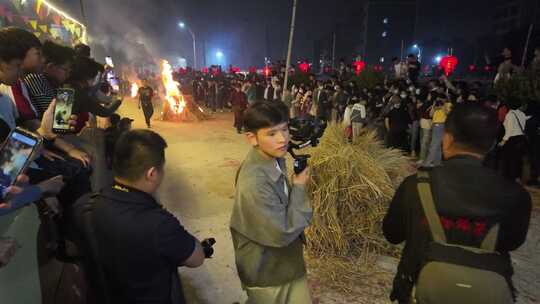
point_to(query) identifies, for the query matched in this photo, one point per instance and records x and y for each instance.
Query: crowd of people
(130, 247)
(407, 113)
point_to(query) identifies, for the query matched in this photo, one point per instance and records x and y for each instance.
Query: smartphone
(65, 101)
(109, 61)
(16, 154)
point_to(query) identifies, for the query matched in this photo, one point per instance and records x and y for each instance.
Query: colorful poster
(39, 17)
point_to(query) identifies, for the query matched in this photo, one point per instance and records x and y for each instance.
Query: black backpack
(455, 273)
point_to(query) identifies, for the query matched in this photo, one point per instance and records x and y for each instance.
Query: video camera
(208, 248)
(304, 132)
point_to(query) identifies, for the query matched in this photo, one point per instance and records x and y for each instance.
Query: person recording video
(269, 214)
(138, 244)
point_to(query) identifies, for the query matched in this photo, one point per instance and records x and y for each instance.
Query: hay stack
(350, 189)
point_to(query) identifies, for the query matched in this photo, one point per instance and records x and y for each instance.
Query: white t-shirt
(285, 187)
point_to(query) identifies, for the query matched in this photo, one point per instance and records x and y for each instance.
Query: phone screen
(63, 109)
(14, 156)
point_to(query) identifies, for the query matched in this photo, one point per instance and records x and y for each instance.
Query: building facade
(390, 30)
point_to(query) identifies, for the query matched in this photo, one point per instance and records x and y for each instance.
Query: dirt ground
(202, 159)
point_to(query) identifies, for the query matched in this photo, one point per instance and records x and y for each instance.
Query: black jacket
(470, 199)
(139, 246)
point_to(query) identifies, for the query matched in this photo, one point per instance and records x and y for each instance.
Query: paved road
(201, 162)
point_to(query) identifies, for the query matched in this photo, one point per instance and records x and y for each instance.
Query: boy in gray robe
(270, 214)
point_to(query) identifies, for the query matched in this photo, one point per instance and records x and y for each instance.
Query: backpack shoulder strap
(490, 241)
(428, 205)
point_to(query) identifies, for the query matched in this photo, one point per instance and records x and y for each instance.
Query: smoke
(128, 30)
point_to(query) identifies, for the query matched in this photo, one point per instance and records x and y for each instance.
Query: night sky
(246, 30)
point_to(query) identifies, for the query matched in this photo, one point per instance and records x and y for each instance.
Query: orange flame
(173, 95)
(134, 90)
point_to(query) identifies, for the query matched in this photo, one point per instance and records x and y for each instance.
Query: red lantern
(359, 66)
(472, 67)
(304, 67)
(448, 64)
(487, 68)
(253, 70)
(205, 70)
(266, 71)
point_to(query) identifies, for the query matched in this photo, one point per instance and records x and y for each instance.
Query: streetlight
(219, 54)
(419, 51)
(182, 25)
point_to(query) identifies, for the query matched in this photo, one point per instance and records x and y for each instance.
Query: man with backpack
(458, 221)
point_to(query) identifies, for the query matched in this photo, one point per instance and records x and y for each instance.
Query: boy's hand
(22, 180)
(302, 178)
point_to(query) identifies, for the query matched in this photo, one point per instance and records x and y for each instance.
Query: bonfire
(178, 107)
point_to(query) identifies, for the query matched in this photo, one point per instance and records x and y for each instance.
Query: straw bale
(350, 188)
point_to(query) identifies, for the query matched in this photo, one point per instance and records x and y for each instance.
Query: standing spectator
(396, 123)
(514, 143)
(397, 68)
(251, 93)
(426, 125)
(414, 113)
(340, 101)
(414, 68)
(359, 116)
(439, 111)
(269, 91)
(469, 199)
(239, 104)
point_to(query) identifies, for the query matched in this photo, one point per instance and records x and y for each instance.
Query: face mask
(396, 92)
(403, 95)
(418, 91)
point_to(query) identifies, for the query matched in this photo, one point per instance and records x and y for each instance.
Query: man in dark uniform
(139, 244)
(466, 210)
(239, 105)
(146, 93)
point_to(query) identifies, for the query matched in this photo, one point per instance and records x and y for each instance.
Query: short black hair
(136, 152)
(16, 42)
(83, 68)
(82, 50)
(57, 54)
(514, 103)
(265, 114)
(473, 125)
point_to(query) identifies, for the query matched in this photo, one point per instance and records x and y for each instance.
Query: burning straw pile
(350, 189)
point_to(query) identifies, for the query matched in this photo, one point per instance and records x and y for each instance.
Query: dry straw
(350, 189)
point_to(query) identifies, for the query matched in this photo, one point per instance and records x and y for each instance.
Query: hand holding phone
(46, 128)
(16, 154)
(65, 102)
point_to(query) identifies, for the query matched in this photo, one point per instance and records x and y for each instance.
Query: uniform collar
(120, 192)
(268, 165)
(465, 159)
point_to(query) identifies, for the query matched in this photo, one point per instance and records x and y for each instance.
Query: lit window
(382, 59)
(384, 34)
(385, 21)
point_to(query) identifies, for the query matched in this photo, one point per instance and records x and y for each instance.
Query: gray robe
(267, 225)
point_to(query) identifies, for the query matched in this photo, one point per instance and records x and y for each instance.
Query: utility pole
(83, 14)
(334, 50)
(291, 39)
